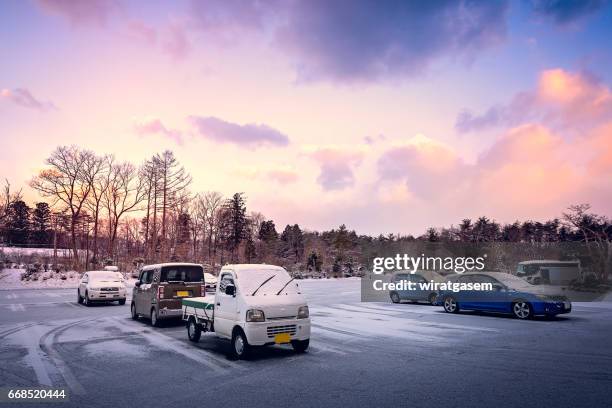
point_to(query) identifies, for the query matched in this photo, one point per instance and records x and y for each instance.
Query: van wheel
(300, 346)
(193, 330)
(451, 305)
(522, 310)
(395, 297)
(133, 310)
(79, 298)
(154, 318)
(432, 298)
(240, 345)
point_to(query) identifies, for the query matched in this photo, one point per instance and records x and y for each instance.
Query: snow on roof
(244, 267)
(161, 265)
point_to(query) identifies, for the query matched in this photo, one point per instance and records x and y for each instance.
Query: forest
(96, 211)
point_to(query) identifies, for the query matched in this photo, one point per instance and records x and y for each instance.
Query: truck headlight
(255, 315)
(303, 312)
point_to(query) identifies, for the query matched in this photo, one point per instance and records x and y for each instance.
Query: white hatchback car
(210, 280)
(101, 286)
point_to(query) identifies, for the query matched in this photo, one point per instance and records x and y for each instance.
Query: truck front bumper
(263, 333)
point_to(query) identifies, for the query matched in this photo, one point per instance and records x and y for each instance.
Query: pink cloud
(336, 166)
(562, 99)
(24, 98)
(155, 126)
(283, 176)
(429, 168)
(142, 32)
(249, 136)
(79, 12)
(174, 41)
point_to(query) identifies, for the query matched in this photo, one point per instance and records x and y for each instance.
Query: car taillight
(160, 292)
(202, 290)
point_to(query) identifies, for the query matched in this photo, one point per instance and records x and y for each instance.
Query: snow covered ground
(11, 279)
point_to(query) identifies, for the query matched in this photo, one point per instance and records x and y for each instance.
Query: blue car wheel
(522, 310)
(451, 305)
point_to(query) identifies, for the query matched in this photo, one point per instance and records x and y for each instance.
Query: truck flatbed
(201, 310)
(199, 303)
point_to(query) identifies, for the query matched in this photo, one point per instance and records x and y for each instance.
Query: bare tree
(67, 180)
(100, 179)
(125, 192)
(148, 175)
(173, 180)
(596, 231)
(212, 202)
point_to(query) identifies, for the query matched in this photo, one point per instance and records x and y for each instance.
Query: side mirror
(137, 284)
(230, 290)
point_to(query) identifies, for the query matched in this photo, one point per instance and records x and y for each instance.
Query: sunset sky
(386, 119)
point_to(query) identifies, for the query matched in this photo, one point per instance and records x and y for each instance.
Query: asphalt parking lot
(361, 355)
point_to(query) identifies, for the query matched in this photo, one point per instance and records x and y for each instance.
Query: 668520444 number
(35, 394)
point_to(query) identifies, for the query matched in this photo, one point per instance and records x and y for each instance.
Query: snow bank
(11, 279)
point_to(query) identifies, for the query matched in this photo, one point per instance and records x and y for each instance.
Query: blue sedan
(510, 295)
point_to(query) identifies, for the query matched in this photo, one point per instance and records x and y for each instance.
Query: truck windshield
(249, 280)
(182, 273)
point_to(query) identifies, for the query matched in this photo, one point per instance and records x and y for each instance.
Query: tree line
(110, 212)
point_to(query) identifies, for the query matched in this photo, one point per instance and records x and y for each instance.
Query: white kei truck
(254, 305)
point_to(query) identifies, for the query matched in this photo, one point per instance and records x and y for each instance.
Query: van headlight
(303, 312)
(255, 315)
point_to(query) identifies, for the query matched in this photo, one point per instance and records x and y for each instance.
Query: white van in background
(549, 272)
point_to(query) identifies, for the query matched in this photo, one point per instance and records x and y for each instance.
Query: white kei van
(549, 272)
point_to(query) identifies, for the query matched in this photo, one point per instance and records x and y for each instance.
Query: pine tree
(235, 223)
(41, 224)
(18, 226)
(267, 231)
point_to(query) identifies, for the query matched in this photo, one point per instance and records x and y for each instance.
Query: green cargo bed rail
(199, 304)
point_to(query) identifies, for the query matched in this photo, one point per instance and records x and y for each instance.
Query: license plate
(282, 338)
(182, 293)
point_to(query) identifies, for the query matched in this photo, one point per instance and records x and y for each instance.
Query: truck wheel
(395, 297)
(133, 310)
(79, 298)
(154, 318)
(86, 299)
(300, 346)
(194, 331)
(240, 345)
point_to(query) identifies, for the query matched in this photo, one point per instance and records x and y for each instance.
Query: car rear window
(182, 273)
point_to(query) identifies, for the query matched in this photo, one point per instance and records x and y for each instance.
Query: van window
(182, 273)
(146, 276)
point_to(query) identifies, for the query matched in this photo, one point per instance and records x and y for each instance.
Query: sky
(389, 117)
